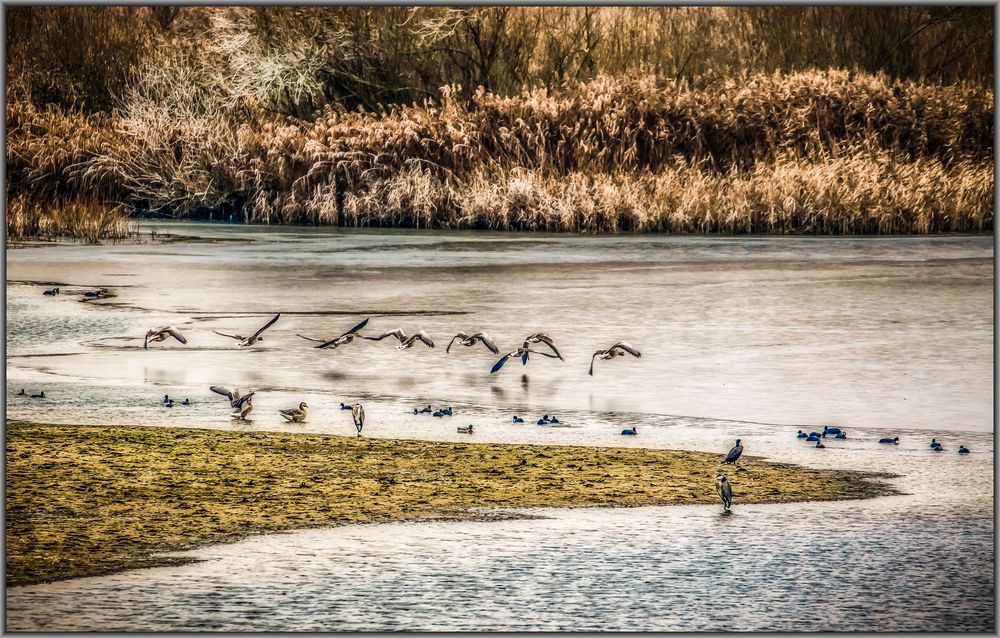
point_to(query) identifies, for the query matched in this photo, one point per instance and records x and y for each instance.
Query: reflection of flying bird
(358, 413)
(617, 350)
(734, 454)
(160, 334)
(404, 341)
(252, 339)
(725, 490)
(520, 352)
(296, 415)
(471, 340)
(538, 337)
(345, 338)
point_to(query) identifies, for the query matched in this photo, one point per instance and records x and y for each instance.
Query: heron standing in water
(734, 454)
(725, 490)
(358, 412)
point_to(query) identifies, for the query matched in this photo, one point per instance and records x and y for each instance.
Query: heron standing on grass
(725, 490)
(358, 412)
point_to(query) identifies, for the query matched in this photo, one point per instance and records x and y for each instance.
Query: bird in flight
(343, 339)
(160, 334)
(243, 342)
(538, 337)
(404, 341)
(617, 350)
(471, 340)
(520, 352)
(235, 398)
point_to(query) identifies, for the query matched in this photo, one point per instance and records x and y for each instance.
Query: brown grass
(811, 152)
(87, 500)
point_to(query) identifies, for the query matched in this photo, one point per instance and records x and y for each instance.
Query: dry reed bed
(819, 152)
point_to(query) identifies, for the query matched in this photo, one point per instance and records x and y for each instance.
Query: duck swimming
(438, 413)
(23, 393)
(893, 441)
(841, 435)
(934, 443)
(465, 430)
(186, 402)
(517, 419)
(962, 449)
(813, 437)
(40, 395)
(446, 411)
(819, 444)
(828, 430)
(553, 419)
(51, 293)
(630, 432)
(801, 434)
(344, 406)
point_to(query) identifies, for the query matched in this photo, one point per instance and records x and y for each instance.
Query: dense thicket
(691, 119)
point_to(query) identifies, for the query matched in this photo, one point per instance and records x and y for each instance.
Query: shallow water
(749, 338)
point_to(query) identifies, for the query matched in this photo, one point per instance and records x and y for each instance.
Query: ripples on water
(742, 338)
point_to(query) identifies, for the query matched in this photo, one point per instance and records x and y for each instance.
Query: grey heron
(725, 490)
(161, 334)
(243, 342)
(617, 350)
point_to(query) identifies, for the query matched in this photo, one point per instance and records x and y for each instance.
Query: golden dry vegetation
(88, 500)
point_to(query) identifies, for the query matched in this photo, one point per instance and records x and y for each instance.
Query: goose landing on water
(243, 342)
(471, 340)
(617, 350)
(296, 415)
(404, 341)
(160, 334)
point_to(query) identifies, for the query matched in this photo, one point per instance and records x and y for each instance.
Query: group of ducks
(100, 293)
(619, 349)
(840, 434)
(545, 420)
(40, 395)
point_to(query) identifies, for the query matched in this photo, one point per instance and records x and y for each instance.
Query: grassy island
(91, 500)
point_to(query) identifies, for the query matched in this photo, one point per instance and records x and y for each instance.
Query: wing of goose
(461, 336)
(176, 334)
(394, 333)
(237, 403)
(231, 336)
(503, 360)
(627, 347)
(356, 328)
(540, 337)
(266, 326)
(485, 338)
(423, 336)
(229, 394)
(593, 358)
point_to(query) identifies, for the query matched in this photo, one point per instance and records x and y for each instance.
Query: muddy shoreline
(93, 500)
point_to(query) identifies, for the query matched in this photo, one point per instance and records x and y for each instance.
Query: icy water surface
(750, 338)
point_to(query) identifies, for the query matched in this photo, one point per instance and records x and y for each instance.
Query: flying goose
(520, 352)
(343, 339)
(471, 340)
(538, 337)
(404, 341)
(160, 334)
(252, 339)
(358, 414)
(617, 350)
(296, 415)
(235, 398)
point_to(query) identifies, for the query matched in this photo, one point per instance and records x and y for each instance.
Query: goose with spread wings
(538, 337)
(343, 339)
(473, 339)
(161, 334)
(404, 341)
(520, 352)
(620, 349)
(236, 400)
(243, 342)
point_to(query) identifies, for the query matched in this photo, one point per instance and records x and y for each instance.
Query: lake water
(751, 338)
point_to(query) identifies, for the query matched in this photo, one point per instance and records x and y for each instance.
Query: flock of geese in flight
(242, 404)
